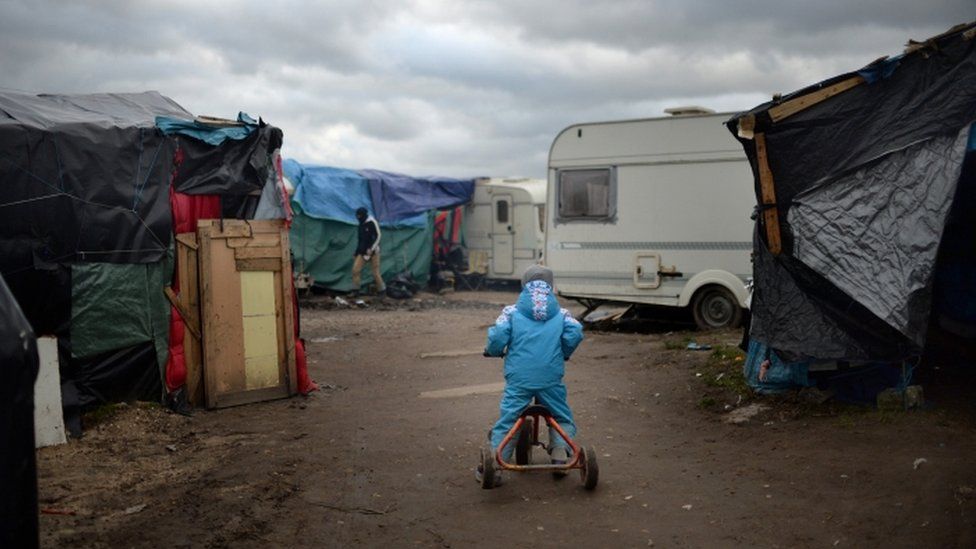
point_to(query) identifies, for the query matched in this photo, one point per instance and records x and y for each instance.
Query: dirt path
(384, 456)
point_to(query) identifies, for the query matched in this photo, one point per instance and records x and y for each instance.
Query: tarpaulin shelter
(18, 467)
(324, 232)
(860, 179)
(91, 190)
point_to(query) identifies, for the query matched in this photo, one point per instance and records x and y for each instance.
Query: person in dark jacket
(367, 251)
(536, 337)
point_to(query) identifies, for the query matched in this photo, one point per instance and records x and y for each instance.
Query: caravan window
(587, 195)
(501, 211)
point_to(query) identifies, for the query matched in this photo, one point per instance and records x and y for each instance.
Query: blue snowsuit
(539, 337)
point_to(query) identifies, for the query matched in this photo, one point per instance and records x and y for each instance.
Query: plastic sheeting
(208, 133)
(324, 192)
(864, 182)
(325, 248)
(18, 468)
(895, 208)
(119, 306)
(781, 375)
(395, 200)
(85, 178)
(222, 160)
(396, 196)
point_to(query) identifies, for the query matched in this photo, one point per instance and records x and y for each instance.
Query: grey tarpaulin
(864, 182)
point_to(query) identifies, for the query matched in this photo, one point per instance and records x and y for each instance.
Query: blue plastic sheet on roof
(325, 192)
(397, 196)
(395, 200)
(213, 135)
(880, 69)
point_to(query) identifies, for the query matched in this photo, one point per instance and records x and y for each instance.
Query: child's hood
(537, 302)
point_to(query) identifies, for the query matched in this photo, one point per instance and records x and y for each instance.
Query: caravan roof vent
(690, 109)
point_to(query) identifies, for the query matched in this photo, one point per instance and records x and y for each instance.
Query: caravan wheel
(715, 307)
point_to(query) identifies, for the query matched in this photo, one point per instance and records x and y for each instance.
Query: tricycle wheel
(487, 469)
(523, 444)
(590, 472)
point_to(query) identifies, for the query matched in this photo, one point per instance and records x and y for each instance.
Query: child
(539, 337)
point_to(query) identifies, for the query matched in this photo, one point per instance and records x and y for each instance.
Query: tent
(92, 189)
(865, 187)
(324, 232)
(18, 467)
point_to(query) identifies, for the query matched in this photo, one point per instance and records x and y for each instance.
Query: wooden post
(768, 190)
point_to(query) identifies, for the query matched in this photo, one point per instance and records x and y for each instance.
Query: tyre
(715, 307)
(590, 473)
(487, 469)
(523, 444)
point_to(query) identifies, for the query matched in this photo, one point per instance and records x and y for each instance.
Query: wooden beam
(264, 264)
(273, 252)
(187, 239)
(175, 301)
(288, 296)
(793, 106)
(768, 191)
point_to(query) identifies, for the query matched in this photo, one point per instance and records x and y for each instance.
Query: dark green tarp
(115, 306)
(324, 249)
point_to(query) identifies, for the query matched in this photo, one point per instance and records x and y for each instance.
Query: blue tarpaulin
(397, 196)
(210, 134)
(325, 192)
(395, 200)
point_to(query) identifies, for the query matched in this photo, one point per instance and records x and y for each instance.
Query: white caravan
(653, 211)
(503, 226)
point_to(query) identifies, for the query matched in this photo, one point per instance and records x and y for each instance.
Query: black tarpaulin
(18, 469)
(83, 178)
(865, 168)
(233, 167)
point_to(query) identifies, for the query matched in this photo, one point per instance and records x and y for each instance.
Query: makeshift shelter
(324, 232)
(18, 468)
(91, 190)
(860, 179)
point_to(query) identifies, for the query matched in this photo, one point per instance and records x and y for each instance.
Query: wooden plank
(187, 239)
(174, 300)
(228, 228)
(271, 226)
(257, 253)
(193, 348)
(793, 106)
(257, 241)
(288, 296)
(260, 264)
(767, 189)
(223, 329)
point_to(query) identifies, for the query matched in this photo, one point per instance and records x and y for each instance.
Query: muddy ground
(383, 455)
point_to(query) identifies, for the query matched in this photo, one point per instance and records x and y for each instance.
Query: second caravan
(504, 226)
(653, 211)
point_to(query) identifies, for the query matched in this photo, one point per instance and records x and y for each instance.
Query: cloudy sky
(454, 88)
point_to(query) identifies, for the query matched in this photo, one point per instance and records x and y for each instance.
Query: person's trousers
(357, 269)
(515, 399)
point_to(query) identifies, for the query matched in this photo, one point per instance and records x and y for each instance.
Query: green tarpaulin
(324, 250)
(118, 305)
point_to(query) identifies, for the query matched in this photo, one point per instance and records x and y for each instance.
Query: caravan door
(502, 235)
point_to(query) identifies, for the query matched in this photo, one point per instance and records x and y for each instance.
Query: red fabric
(446, 239)
(187, 209)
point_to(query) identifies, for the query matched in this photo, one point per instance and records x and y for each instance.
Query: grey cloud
(453, 88)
